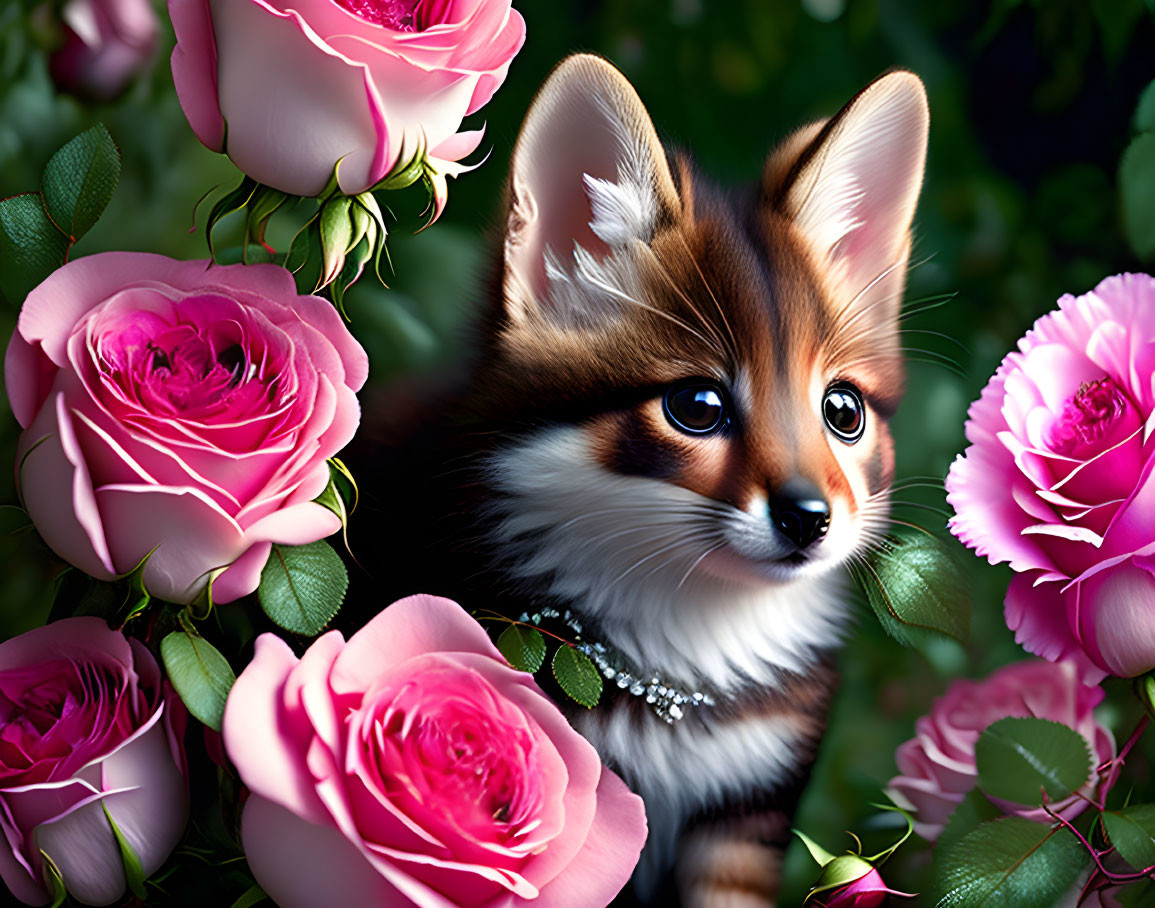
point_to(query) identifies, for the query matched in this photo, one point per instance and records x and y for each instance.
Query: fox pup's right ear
(588, 170)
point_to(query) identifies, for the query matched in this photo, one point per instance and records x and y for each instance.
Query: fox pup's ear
(588, 170)
(853, 189)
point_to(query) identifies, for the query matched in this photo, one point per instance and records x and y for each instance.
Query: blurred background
(1033, 107)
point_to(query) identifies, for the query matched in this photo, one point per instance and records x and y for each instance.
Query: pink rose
(868, 891)
(85, 728)
(412, 765)
(1057, 480)
(179, 407)
(307, 85)
(106, 43)
(938, 763)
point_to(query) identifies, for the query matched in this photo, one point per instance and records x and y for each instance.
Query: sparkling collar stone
(668, 701)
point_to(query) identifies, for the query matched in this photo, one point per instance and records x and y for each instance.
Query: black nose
(799, 511)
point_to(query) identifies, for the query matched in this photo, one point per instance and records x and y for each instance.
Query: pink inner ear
(578, 139)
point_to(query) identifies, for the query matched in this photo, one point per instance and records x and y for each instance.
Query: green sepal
(199, 673)
(882, 856)
(523, 647)
(406, 172)
(133, 871)
(79, 181)
(821, 856)
(577, 676)
(138, 597)
(843, 870)
(342, 473)
(229, 203)
(263, 204)
(54, 880)
(333, 498)
(302, 586)
(254, 895)
(1017, 759)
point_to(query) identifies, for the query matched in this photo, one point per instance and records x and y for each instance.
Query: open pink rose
(938, 763)
(107, 42)
(304, 86)
(179, 409)
(1057, 480)
(85, 729)
(412, 765)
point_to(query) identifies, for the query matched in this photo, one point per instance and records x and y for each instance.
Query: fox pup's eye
(844, 413)
(696, 406)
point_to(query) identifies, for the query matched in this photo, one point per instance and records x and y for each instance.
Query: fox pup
(675, 436)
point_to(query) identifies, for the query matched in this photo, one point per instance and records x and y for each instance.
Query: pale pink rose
(179, 409)
(938, 763)
(305, 85)
(868, 891)
(107, 42)
(412, 765)
(86, 727)
(1058, 480)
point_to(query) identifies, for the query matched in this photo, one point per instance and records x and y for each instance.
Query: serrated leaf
(1009, 861)
(974, 810)
(1132, 831)
(201, 675)
(302, 586)
(254, 895)
(79, 181)
(31, 247)
(577, 676)
(915, 587)
(1137, 191)
(523, 647)
(1017, 759)
(133, 871)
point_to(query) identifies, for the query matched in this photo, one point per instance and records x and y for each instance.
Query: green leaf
(1132, 832)
(1009, 861)
(200, 674)
(1140, 894)
(79, 181)
(1018, 759)
(133, 872)
(974, 809)
(577, 676)
(303, 586)
(523, 647)
(1137, 189)
(31, 247)
(55, 881)
(915, 587)
(251, 896)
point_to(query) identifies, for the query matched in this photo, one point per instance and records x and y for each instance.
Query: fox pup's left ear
(853, 190)
(588, 171)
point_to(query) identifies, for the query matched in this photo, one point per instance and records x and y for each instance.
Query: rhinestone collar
(668, 702)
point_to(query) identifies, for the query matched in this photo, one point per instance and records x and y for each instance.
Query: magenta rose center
(183, 372)
(450, 757)
(58, 712)
(1085, 425)
(398, 15)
